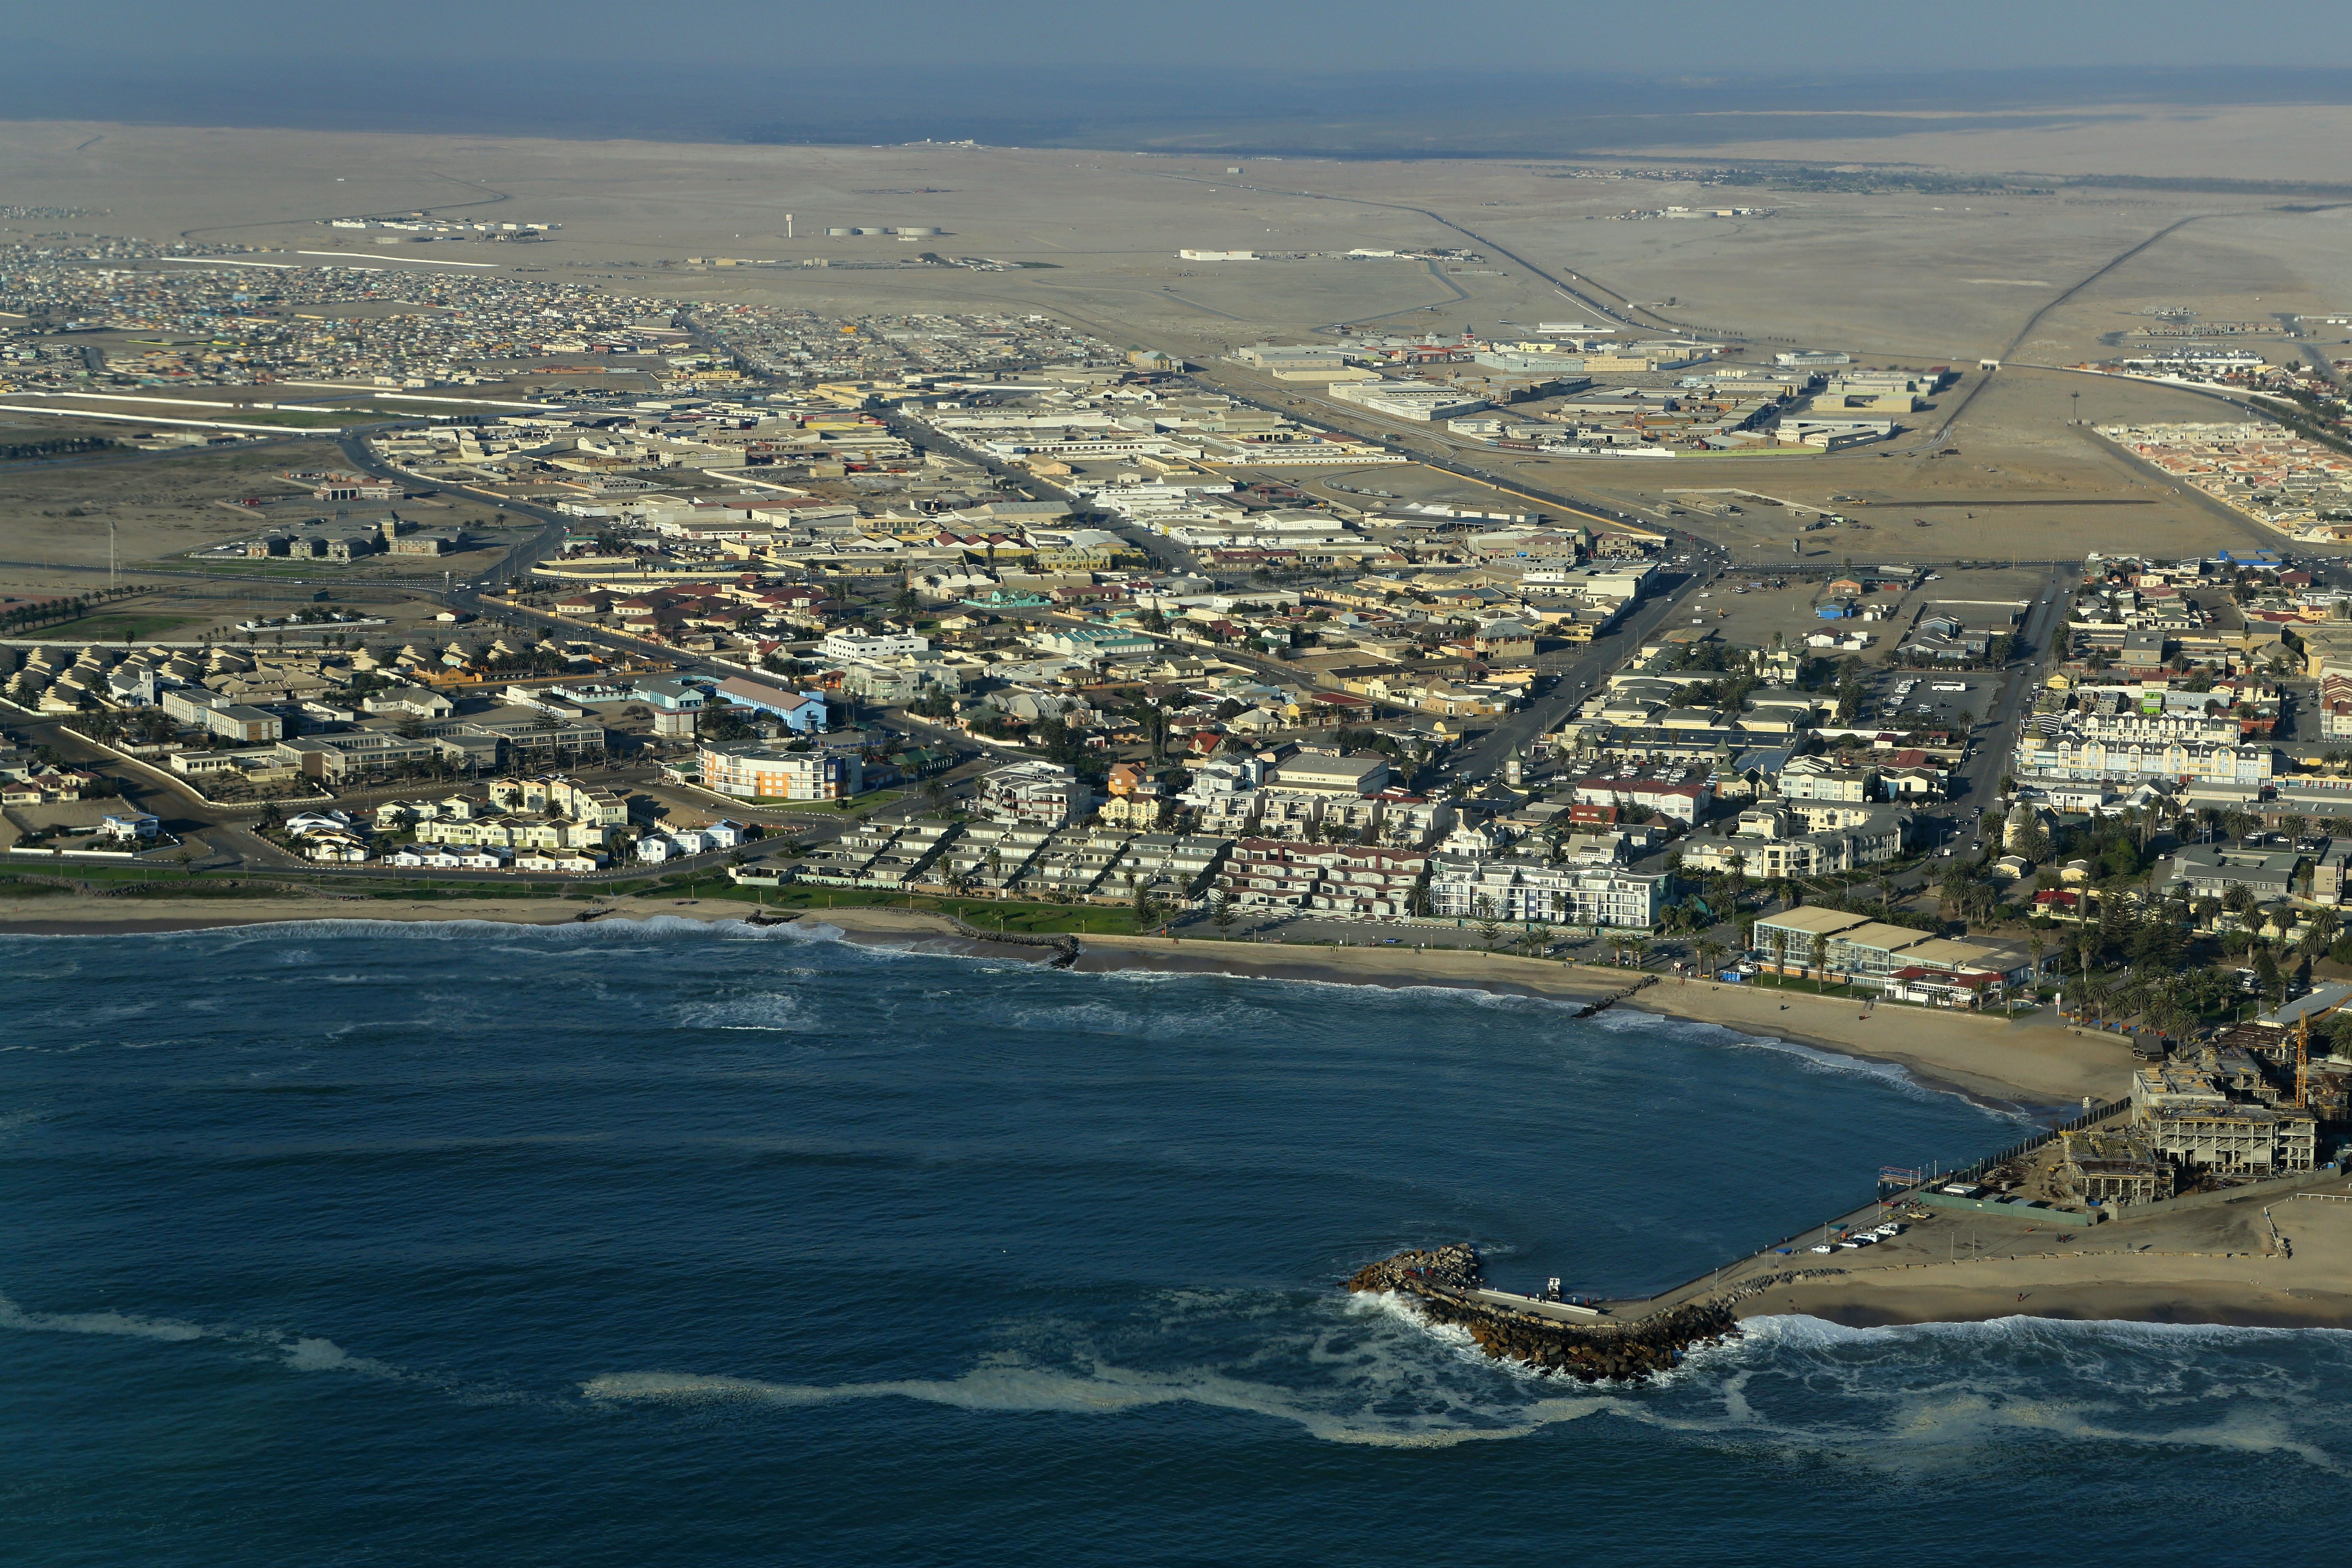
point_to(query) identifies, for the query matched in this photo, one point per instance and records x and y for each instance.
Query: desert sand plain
(1892, 276)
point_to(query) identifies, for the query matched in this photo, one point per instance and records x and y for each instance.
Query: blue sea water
(461, 1243)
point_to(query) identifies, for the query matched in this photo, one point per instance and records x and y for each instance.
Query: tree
(1821, 960)
(2266, 974)
(1710, 955)
(1482, 915)
(1221, 912)
(2319, 932)
(1147, 906)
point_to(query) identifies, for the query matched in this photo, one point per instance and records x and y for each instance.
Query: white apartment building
(2062, 751)
(1034, 794)
(854, 645)
(1517, 890)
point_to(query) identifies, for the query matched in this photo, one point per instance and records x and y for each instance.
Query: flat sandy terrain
(1893, 276)
(2216, 1265)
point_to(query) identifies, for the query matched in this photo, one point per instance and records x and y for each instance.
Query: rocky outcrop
(1453, 1268)
(1592, 1352)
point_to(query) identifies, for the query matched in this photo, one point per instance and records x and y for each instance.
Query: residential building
(763, 771)
(1686, 802)
(1777, 838)
(871, 646)
(1034, 794)
(2212, 869)
(1518, 890)
(1817, 778)
(1346, 881)
(1313, 772)
(2056, 746)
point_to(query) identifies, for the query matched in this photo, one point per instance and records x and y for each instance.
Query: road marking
(380, 255)
(213, 261)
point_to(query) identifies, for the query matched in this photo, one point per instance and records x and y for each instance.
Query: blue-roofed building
(672, 696)
(803, 711)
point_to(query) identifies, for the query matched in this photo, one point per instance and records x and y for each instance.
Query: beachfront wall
(2007, 1211)
(2280, 1186)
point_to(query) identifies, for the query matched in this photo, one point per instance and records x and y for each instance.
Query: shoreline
(2279, 1261)
(2035, 1069)
(2219, 1265)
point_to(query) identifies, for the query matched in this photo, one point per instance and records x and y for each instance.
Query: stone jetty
(1441, 1281)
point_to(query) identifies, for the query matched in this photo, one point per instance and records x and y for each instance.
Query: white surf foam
(12, 1316)
(314, 1354)
(1106, 1390)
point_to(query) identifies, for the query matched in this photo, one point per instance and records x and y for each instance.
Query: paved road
(1580, 673)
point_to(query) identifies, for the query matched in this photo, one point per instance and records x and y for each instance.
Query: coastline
(2219, 1265)
(2035, 1069)
(2275, 1262)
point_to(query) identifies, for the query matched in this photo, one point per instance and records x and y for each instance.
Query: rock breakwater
(1440, 1281)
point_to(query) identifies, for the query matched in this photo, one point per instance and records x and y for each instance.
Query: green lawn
(1035, 920)
(258, 567)
(123, 624)
(1028, 918)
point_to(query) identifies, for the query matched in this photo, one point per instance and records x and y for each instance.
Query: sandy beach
(2216, 1265)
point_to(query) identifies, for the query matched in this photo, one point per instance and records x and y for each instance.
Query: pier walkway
(1560, 1311)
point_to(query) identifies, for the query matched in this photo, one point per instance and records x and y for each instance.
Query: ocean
(378, 1243)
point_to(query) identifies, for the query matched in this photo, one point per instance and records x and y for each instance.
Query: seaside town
(1268, 739)
(979, 611)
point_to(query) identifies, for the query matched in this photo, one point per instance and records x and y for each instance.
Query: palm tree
(1710, 955)
(1641, 945)
(1821, 960)
(2319, 933)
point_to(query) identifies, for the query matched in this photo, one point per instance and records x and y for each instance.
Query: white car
(1825, 1246)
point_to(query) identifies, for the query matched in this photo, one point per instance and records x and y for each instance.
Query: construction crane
(2303, 1048)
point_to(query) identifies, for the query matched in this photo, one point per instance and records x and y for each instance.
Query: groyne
(1605, 1003)
(1440, 1282)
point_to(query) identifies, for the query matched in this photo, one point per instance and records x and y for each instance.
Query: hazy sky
(1036, 37)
